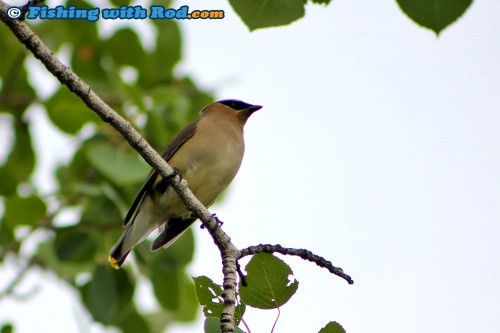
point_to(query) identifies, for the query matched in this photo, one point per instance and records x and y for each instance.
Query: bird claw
(177, 172)
(163, 184)
(243, 277)
(219, 222)
(217, 219)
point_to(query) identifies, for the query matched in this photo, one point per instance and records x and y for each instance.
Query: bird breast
(208, 164)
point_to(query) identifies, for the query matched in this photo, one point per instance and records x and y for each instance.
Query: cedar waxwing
(208, 154)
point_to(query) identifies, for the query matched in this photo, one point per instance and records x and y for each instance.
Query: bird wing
(173, 230)
(181, 138)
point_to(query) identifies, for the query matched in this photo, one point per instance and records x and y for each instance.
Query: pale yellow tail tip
(113, 262)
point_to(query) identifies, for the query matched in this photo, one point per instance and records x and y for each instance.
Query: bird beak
(253, 108)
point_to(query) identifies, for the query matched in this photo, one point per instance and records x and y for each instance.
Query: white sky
(377, 147)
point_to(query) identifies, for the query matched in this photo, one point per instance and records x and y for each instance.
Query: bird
(208, 154)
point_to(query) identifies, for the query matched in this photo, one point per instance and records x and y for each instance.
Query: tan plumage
(208, 154)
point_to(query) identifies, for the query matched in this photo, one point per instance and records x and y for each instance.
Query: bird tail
(119, 253)
(137, 230)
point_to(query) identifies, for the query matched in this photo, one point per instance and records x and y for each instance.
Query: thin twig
(229, 253)
(11, 287)
(302, 253)
(67, 77)
(277, 317)
(246, 326)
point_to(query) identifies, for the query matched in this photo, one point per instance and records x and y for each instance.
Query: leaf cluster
(269, 285)
(104, 173)
(435, 15)
(97, 185)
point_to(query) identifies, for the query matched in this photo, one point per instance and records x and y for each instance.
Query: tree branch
(229, 253)
(10, 289)
(302, 253)
(67, 77)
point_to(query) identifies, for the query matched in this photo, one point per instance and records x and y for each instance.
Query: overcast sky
(378, 147)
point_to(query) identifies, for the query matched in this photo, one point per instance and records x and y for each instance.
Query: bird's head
(231, 108)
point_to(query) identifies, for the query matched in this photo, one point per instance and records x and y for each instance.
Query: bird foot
(176, 172)
(243, 277)
(219, 222)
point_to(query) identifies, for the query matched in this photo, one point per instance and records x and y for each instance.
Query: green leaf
(269, 284)
(173, 290)
(7, 237)
(7, 328)
(321, 2)
(16, 50)
(158, 320)
(74, 245)
(166, 285)
(134, 95)
(332, 327)
(194, 98)
(66, 270)
(167, 116)
(88, 49)
(118, 3)
(239, 311)
(17, 93)
(212, 325)
(258, 14)
(134, 323)
(173, 108)
(21, 161)
(168, 48)
(101, 294)
(134, 54)
(77, 171)
(434, 14)
(24, 211)
(159, 63)
(182, 250)
(79, 32)
(121, 166)
(188, 305)
(99, 211)
(209, 294)
(125, 290)
(120, 292)
(68, 112)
